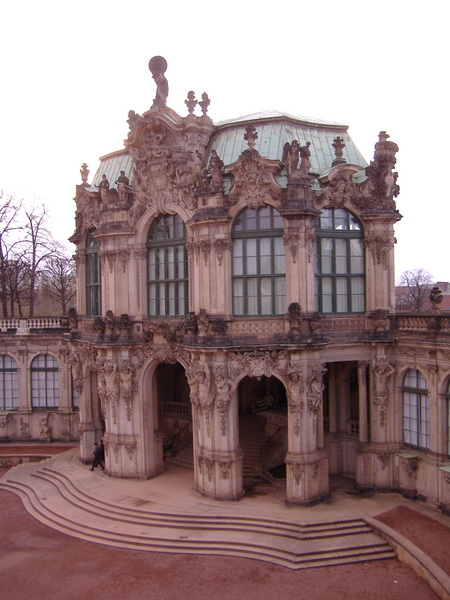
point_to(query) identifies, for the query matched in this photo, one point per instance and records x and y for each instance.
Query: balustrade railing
(175, 408)
(26, 325)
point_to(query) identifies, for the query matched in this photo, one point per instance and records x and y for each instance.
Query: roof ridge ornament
(250, 136)
(158, 66)
(338, 145)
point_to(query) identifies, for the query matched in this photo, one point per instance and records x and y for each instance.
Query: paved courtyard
(43, 564)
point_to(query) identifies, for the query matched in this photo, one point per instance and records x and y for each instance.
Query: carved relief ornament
(254, 182)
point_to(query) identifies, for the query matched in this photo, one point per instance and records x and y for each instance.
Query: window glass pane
(252, 296)
(357, 284)
(277, 220)
(326, 219)
(264, 218)
(238, 297)
(341, 256)
(260, 256)
(327, 255)
(354, 223)
(265, 256)
(280, 295)
(339, 253)
(448, 426)
(266, 296)
(170, 263)
(327, 295)
(340, 219)
(44, 382)
(416, 420)
(250, 220)
(180, 263)
(167, 264)
(341, 295)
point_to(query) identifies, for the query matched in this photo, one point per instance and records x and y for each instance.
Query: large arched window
(44, 382)
(9, 384)
(416, 421)
(339, 263)
(93, 277)
(259, 271)
(167, 269)
(447, 395)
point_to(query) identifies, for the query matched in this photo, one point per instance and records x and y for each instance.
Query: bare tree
(59, 280)
(39, 246)
(9, 227)
(418, 283)
(18, 282)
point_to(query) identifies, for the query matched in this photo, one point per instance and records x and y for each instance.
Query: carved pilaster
(221, 246)
(291, 241)
(382, 370)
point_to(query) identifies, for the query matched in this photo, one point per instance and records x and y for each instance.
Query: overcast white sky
(70, 72)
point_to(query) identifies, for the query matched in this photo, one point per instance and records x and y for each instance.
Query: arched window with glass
(339, 263)
(9, 383)
(93, 277)
(167, 267)
(447, 396)
(416, 419)
(259, 264)
(44, 382)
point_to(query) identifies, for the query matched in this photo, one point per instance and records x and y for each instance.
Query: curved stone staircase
(60, 494)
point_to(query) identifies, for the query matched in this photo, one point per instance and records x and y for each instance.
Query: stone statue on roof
(123, 186)
(305, 155)
(158, 66)
(104, 188)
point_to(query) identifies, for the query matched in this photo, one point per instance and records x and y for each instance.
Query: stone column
(217, 456)
(362, 396)
(307, 466)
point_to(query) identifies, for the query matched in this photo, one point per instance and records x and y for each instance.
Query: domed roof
(273, 128)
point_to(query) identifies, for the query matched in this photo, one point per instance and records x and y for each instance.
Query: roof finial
(338, 145)
(158, 66)
(250, 136)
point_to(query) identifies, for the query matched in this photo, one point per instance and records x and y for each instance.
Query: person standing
(99, 455)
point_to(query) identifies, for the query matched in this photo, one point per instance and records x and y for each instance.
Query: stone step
(57, 499)
(310, 531)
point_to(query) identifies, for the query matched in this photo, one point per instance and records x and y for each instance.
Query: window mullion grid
(245, 275)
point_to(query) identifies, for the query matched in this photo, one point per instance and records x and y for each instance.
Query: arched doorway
(174, 412)
(262, 426)
(346, 386)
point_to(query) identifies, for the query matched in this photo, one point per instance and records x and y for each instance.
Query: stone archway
(263, 430)
(174, 411)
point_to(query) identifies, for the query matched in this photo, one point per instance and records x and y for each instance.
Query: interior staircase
(252, 438)
(60, 493)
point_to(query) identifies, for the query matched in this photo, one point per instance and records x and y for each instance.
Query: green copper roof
(274, 129)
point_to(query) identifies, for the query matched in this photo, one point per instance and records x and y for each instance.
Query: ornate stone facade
(205, 363)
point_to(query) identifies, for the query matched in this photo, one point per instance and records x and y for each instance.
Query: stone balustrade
(27, 325)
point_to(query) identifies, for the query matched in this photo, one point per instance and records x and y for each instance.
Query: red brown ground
(428, 535)
(34, 449)
(39, 563)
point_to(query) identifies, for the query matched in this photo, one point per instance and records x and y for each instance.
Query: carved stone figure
(158, 66)
(104, 188)
(291, 156)
(305, 155)
(123, 186)
(202, 322)
(204, 103)
(294, 316)
(216, 169)
(191, 102)
(382, 371)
